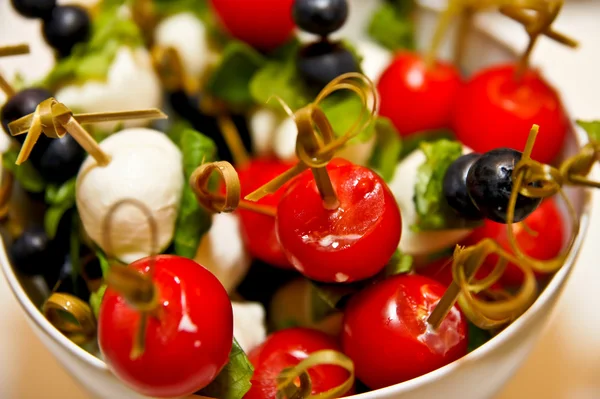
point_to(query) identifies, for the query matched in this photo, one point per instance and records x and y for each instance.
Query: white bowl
(480, 374)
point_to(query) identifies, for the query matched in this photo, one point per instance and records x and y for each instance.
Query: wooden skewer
(523, 18)
(21, 125)
(17, 49)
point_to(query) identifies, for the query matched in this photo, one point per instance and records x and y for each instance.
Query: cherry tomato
(387, 336)
(416, 98)
(264, 24)
(494, 110)
(258, 230)
(286, 348)
(548, 224)
(349, 243)
(187, 342)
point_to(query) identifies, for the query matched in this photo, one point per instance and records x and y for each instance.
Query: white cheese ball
(130, 84)
(222, 251)
(375, 59)
(403, 188)
(187, 35)
(145, 166)
(249, 324)
(261, 125)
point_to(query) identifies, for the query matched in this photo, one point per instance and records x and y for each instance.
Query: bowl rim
(554, 287)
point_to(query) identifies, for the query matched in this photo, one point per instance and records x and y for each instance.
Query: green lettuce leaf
(26, 174)
(169, 7)
(230, 81)
(193, 221)
(431, 206)
(412, 142)
(400, 263)
(91, 60)
(104, 264)
(96, 299)
(279, 77)
(388, 148)
(477, 337)
(60, 199)
(392, 26)
(234, 380)
(592, 128)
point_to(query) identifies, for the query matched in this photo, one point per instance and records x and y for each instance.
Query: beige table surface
(565, 362)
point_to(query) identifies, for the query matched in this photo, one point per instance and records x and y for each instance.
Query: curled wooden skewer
(55, 119)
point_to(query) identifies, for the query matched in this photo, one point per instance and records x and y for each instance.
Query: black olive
(320, 17)
(65, 27)
(70, 284)
(21, 104)
(321, 62)
(489, 183)
(455, 187)
(31, 252)
(61, 160)
(34, 8)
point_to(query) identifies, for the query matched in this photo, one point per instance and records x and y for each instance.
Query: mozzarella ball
(130, 84)
(186, 34)
(249, 324)
(403, 188)
(375, 58)
(261, 125)
(222, 251)
(145, 166)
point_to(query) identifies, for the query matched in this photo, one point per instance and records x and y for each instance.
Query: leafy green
(75, 252)
(193, 221)
(388, 148)
(279, 77)
(392, 25)
(399, 264)
(342, 111)
(96, 299)
(477, 337)
(60, 199)
(412, 142)
(432, 208)
(176, 130)
(231, 79)
(26, 174)
(104, 264)
(169, 7)
(234, 380)
(320, 307)
(91, 60)
(592, 128)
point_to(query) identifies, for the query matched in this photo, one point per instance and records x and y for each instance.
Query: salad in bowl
(290, 198)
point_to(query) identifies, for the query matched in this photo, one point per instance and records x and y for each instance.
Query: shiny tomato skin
(186, 347)
(495, 110)
(287, 348)
(350, 243)
(386, 335)
(547, 221)
(258, 230)
(416, 98)
(264, 24)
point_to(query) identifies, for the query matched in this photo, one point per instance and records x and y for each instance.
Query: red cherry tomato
(546, 221)
(386, 334)
(287, 348)
(258, 230)
(350, 243)
(187, 343)
(416, 98)
(264, 24)
(494, 109)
